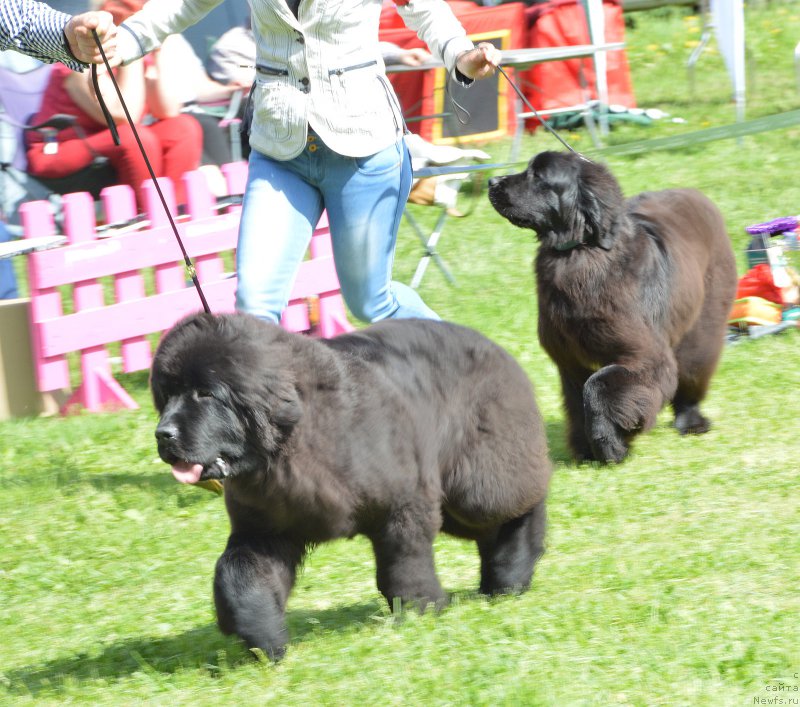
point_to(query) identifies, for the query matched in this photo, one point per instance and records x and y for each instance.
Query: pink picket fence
(127, 286)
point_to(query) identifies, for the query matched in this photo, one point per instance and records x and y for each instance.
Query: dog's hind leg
(692, 388)
(697, 356)
(404, 557)
(252, 582)
(689, 419)
(699, 351)
(510, 552)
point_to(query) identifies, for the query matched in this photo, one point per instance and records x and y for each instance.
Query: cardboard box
(18, 394)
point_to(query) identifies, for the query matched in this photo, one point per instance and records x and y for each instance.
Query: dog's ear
(271, 408)
(569, 219)
(287, 408)
(283, 411)
(600, 202)
(597, 230)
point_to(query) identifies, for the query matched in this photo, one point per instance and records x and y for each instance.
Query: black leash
(535, 112)
(113, 128)
(459, 111)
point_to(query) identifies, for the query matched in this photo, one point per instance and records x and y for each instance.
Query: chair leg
(586, 113)
(236, 140)
(705, 38)
(429, 244)
(797, 64)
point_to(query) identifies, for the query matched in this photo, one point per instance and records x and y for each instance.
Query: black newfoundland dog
(633, 296)
(396, 432)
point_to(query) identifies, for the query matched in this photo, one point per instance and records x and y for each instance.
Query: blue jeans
(8, 280)
(364, 198)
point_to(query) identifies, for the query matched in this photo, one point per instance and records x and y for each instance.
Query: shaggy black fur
(395, 432)
(633, 295)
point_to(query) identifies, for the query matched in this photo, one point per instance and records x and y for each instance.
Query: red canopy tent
(491, 103)
(557, 84)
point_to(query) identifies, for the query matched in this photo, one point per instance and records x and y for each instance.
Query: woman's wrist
(478, 62)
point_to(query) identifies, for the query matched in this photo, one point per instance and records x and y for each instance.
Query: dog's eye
(538, 180)
(203, 394)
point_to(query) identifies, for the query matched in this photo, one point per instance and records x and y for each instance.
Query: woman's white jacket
(322, 68)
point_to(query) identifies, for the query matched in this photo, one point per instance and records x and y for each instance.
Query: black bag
(247, 117)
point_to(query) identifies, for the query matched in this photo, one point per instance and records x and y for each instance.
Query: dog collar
(569, 245)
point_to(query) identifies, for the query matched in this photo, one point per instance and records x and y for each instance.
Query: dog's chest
(292, 505)
(570, 345)
(576, 329)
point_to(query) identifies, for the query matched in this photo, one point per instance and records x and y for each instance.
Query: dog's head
(225, 395)
(567, 199)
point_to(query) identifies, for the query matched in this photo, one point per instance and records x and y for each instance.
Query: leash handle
(113, 128)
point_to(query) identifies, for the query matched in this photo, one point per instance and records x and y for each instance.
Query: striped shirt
(36, 29)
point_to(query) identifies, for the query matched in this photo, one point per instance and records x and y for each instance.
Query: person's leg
(125, 158)
(279, 214)
(181, 140)
(365, 198)
(71, 156)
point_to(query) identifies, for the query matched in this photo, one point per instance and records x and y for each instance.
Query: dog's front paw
(603, 441)
(606, 440)
(609, 448)
(614, 412)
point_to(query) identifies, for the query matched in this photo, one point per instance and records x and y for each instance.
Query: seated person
(232, 61)
(173, 140)
(203, 97)
(232, 57)
(414, 56)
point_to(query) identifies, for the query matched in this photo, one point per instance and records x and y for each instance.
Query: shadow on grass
(556, 432)
(163, 481)
(198, 648)
(201, 649)
(70, 480)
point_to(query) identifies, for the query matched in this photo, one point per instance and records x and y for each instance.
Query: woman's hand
(81, 41)
(480, 62)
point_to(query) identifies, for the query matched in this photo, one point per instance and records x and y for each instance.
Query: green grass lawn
(669, 579)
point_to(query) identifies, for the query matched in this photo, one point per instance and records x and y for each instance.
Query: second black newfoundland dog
(395, 432)
(633, 295)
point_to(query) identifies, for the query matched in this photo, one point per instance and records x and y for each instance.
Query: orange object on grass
(755, 310)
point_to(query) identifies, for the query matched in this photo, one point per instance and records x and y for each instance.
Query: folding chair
(228, 118)
(442, 191)
(22, 83)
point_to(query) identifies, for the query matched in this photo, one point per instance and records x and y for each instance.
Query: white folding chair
(441, 191)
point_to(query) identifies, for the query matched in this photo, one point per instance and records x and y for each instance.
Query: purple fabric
(778, 225)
